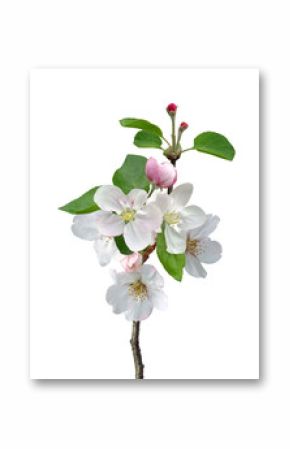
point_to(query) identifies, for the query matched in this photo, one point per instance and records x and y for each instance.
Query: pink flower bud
(183, 126)
(163, 175)
(171, 108)
(132, 262)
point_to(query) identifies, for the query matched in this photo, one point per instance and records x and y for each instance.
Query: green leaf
(131, 175)
(82, 205)
(121, 245)
(145, 139)
(173, 263)
(215, 144)
(141, 124)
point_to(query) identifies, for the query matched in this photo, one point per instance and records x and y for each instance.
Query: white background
(211, 328)
(191, 414)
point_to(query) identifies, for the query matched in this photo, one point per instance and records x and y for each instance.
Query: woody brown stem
(139, 367)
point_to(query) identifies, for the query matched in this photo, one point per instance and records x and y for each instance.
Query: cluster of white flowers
(139, 217)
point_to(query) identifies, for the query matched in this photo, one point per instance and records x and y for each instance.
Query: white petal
(151, 277)
(125, 278)
(150, 217)
(181, 195)
(209, 251)
(192, 217)
(163, 202)
(109, 224)
(136, 237)
(105, 248)
(158, 298)
(118, 297)
(110, 198)
(139, 310)
(194, 267)
(136, 198)
(206, 229)
(85, 226)
(175, 241)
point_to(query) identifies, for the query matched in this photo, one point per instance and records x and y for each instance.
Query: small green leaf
(141, 124)
(173, 263)
(121, 245)
(145, 139)
(215, 144)
(131, 175)
(85, 204)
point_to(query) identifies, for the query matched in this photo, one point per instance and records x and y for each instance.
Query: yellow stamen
(138, 290)
(172, 218)
(192, 247)
(128, 215)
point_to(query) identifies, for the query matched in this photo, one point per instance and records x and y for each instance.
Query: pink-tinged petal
(136, 198)
(209, 251)
(175, 241)
(181, 195)
(150, 217)
(109, 224)
(194, 267)
(152, 170)
(110, 198)
(85, 226)
(136, 237)
(139, 310)
(192, 217)
(132, 262)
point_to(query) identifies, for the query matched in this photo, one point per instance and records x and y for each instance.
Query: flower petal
(109, 224)
(110, 198)
(163, 202)
(175, 241)
(158, 298)
(136, 236)
(139, 310)
(192, 217)
(194, 267)
(209, 251)
(118, 297)
(105, 248)
(181, 195)
(85, 226)
(206, 229)
(136, 198)
(149, 218)
(151, 277)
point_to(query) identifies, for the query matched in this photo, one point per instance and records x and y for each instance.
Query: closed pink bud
(163, 175)
(171, 108)
(132, 262)
(183, 126)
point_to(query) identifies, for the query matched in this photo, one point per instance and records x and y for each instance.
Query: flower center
(138, 290)
(128, 215)
(172, 218)
(192, 247)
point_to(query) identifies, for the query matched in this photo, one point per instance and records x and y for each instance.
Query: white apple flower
(128, 215)
(179, 218)
(85, 227)
(201, 249)
(137, 293)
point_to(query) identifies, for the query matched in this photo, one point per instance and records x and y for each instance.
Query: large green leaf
(215, 144)
(173, 263)
(131, 175)
(82, 205)
(145, 139)
(121, 245)
(141, 124)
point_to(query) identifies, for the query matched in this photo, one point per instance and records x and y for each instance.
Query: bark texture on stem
(139, 367)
